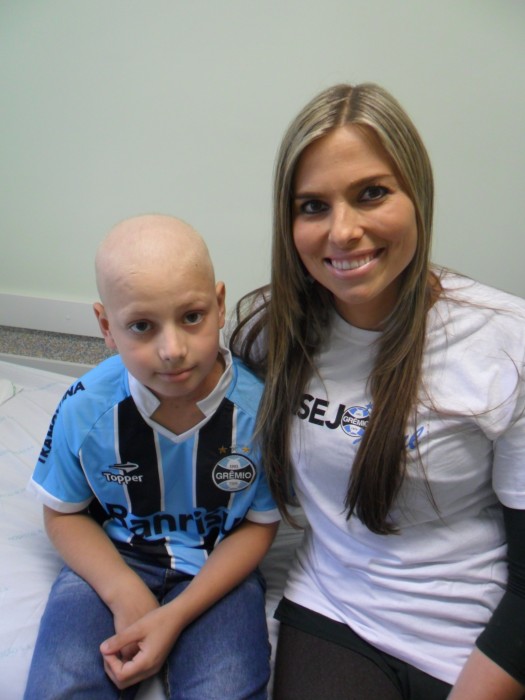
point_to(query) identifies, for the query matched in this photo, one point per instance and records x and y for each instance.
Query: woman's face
(354, 228)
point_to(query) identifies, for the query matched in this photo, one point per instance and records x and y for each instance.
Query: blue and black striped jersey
(161, 497)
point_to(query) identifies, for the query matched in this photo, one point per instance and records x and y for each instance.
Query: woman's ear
(103, 323)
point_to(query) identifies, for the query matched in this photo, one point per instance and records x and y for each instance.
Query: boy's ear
(103, 323)
(220, 291)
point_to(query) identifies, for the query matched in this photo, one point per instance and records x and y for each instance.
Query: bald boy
(159, 267)
(153, 490)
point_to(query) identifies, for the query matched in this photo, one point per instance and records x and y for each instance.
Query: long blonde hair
(295, 315)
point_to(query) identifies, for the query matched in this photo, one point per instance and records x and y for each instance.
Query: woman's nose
(345, 225)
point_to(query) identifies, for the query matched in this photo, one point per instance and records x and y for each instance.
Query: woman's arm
(156, 633)
(496, 668)
(482, 679)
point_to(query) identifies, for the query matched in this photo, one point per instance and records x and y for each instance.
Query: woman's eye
(192, 318)
(313, 206)
(373, 193)
(140, 327)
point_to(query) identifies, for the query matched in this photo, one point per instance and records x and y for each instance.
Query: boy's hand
(130, 608)
(139, 651)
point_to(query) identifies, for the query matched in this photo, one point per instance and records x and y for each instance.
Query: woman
(393, 413)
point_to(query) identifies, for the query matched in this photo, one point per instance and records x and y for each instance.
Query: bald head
(162, 244)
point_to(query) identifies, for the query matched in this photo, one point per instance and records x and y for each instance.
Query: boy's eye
(313, 206)
(372, 193)
(140, 327)
(192, 318)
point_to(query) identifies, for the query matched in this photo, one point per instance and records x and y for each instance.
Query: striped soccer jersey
(161, 497)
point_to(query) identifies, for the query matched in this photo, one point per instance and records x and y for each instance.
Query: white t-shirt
(425, 594)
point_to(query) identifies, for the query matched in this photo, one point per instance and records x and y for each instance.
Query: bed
(28, 398)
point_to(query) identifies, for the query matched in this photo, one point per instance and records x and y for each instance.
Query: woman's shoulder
(464, 290)
(477, 314)
(475, 354)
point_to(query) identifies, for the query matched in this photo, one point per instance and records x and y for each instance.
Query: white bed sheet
(28, 562)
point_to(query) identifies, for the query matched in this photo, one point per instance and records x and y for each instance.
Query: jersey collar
(147, 402)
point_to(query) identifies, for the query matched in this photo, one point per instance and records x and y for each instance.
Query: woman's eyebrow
(355, 184)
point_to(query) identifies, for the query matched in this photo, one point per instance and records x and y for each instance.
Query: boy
(156, 445)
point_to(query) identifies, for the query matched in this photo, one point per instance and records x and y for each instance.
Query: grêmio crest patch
(233, 473)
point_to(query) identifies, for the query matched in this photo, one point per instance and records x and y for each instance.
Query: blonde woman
(393, 413)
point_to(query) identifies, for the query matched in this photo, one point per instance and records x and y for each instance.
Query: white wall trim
(40, 314)
(70, 369)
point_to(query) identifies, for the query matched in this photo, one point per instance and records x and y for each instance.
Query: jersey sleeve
(263, 508)
(58, 480)
(246, 393)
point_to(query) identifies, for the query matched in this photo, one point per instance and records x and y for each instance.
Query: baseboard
(70, 369)
(53, 315)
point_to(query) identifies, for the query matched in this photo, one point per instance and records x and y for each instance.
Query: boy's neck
(179, 415)
(178, 420)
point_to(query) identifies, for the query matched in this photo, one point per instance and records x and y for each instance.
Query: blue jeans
(224, 654)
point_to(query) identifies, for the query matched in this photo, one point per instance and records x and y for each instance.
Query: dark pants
(319, 658)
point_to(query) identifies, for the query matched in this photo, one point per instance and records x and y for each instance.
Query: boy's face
(165, 327)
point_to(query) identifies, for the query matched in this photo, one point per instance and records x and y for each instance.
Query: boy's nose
(171, 346)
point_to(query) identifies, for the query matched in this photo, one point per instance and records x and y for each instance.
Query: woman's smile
(355, 263)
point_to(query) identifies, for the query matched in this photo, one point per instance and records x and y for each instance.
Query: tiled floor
(55, 346)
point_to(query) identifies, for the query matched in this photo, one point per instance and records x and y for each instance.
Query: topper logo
(123, 475)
